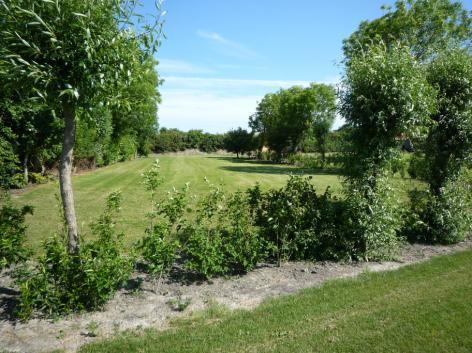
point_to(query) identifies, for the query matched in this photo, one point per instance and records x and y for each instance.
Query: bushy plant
(418, 167)
(17, 181)
(298, 223)
(12, 232)
(373, 218)
(160, 243)
(62, 283)
(445, 218)
(223, 238)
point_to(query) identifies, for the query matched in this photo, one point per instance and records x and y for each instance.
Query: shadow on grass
(269, 167)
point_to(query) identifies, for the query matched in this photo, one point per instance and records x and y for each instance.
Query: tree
(386, 94)
(425, 26)
(283, 118)
(74, 55)
(449, 145)
(239, 141)
(323, 100)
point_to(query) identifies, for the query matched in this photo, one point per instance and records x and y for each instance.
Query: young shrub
(444, 218)
(373, 219)
(12, 233)
(160, 243)
(223, 238)
(62, 283)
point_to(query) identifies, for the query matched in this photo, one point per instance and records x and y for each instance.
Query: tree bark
(25, 168)
(65, 177)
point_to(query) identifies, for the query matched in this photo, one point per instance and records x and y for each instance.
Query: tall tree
(72, 54)
(239, 141)
(323, 100)
(425, 26)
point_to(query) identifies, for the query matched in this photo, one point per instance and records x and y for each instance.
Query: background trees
(282, 119)
(239, 141)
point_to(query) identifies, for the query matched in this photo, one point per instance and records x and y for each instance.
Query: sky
(220, 57)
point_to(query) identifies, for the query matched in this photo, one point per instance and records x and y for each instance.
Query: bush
(13, 233)
(222, 239)
(38, 178)
(418, 167)
(298, 224)
(62, 283)
(444, 218)
(17, 181)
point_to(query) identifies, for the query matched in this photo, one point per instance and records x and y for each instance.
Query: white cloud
(216, 104)
(181, 67)
(210, 111)
(230, 47)
(204, 82)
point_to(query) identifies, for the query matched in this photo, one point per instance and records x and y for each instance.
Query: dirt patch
(155, 303)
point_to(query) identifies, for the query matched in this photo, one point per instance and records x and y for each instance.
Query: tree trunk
(65, 177)
(25, 168)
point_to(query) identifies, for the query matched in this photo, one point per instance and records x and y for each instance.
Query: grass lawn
(91, 189)
(419, 308)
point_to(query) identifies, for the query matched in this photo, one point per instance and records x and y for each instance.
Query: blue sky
(222, 56)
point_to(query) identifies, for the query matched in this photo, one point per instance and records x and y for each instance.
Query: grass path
(419, 308)
(91, 189)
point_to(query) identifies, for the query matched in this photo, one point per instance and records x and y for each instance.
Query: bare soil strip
(155, 303)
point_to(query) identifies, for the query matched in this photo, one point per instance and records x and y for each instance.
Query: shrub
(159, 245)
(62, 283)
(223, 238)
(418, 167)
(297, 223)
(17, 181)
(38, 178)
(13, 233)
(373, 218)
(444, 218)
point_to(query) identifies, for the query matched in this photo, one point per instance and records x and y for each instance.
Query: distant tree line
(175, 140)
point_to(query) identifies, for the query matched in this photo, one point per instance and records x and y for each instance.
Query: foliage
(174, 140)
(425, 26)
(159, 245)
(418, 167)
(386, 96)
(239, 141)
(373, 218)
(61, 283)
(222, 239)
(282, 118)
(12, 232)
(298, 224)
(444, 218)
(449, 144)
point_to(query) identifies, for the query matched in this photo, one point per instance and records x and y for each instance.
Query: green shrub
(298, 224)
(418, 167)
(373, 218)
(38, 178)
(160, 243)
(62, 283)
(17, 181)
(13, 233)
(444, 218)
(400, 164)
(223, 238)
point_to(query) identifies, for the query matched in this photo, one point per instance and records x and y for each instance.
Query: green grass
(91, 189)
(420, 308)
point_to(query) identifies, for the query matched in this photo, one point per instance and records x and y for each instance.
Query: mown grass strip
(419, 308)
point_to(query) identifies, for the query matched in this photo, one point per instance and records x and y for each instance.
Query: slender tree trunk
(65, 176)
(25, 167)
